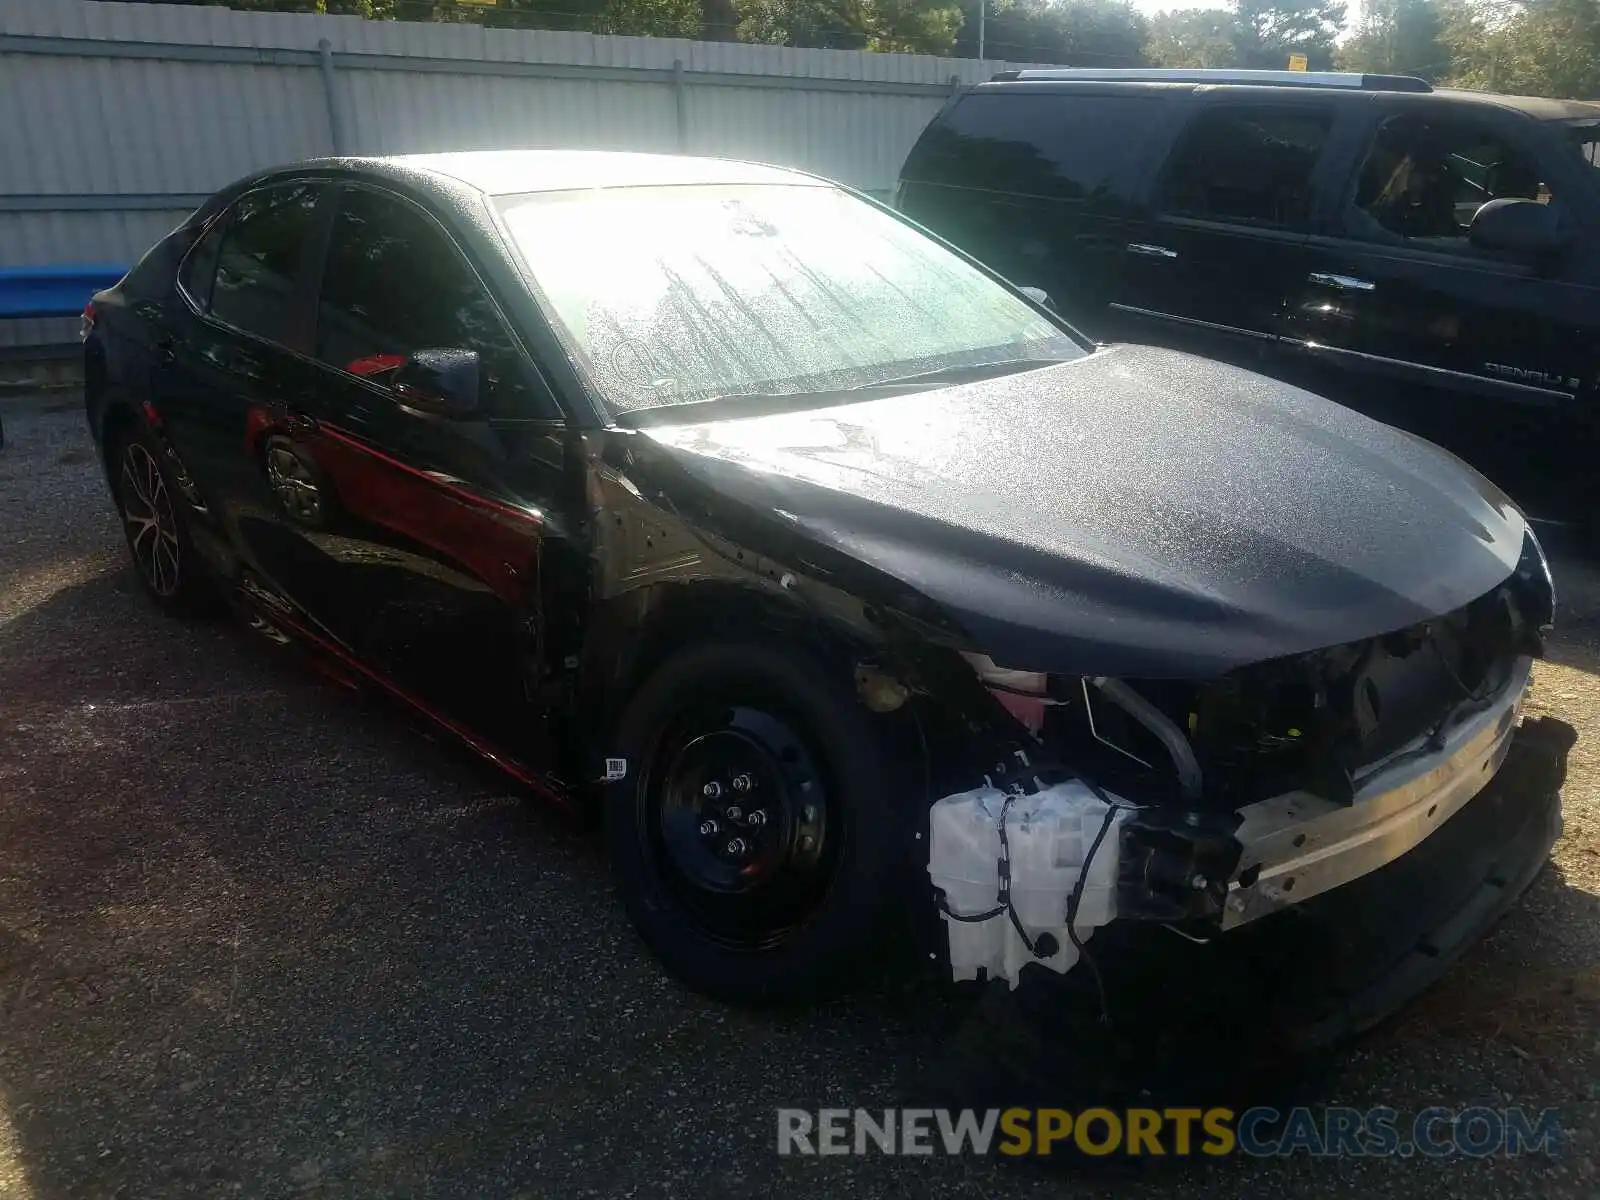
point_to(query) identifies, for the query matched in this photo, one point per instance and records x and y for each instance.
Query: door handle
(1343, 283)
(1150, 251)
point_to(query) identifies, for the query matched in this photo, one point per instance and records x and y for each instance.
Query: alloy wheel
(152, 524)
(293, 483)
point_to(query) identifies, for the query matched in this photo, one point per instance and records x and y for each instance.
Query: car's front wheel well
(631, 635)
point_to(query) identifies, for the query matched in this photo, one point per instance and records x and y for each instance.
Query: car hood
(1137, 512)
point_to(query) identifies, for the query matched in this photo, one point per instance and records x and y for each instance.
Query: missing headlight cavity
(1314, 721)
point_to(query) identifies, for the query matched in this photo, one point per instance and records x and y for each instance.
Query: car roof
(507, 172)
(1537, 107)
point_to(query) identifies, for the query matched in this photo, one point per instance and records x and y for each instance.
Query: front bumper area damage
(1299, 845)
(1289, 989)
(1074, 861)
(1206, 807)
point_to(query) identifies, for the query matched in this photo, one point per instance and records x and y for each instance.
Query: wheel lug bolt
(734, 812)
(742, 783)
(806, 841)
(711, 790)
(708, 827)
(758, 818)
(737, 847)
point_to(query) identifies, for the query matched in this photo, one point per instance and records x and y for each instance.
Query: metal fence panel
(120, 126)
(404, 113)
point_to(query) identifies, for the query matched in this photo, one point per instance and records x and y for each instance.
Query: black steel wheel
(755, 839)
(737, 814)
(154, 523)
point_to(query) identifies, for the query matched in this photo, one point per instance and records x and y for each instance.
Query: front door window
(394, 284)
(1246, 166)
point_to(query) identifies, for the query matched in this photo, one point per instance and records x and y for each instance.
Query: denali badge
(1529, 376)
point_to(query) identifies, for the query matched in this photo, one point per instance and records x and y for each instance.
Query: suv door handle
(1149, 251)
(1343, 283)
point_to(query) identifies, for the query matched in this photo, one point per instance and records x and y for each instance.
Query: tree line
(1535, 47)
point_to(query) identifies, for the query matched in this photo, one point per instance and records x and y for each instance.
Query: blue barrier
(53, 291)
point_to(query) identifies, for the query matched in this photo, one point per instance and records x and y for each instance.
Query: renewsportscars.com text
(1146, 1132)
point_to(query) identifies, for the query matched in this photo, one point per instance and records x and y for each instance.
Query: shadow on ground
(252, 929)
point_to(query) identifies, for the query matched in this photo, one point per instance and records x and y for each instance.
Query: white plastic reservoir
(1049, 834)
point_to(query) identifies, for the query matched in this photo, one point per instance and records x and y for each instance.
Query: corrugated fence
(117, 119)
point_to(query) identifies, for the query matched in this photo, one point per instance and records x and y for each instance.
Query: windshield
(673, 295)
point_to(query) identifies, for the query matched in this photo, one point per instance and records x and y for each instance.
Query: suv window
(259, 257)
(394, 284)
(1033, 143)
(1423, 181)
(1246, 166)
(1585, 136)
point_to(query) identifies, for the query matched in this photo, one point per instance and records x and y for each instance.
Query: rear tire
(155, 524)
(755, 839)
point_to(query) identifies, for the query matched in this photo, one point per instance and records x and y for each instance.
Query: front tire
(755, 839)
(155, 525)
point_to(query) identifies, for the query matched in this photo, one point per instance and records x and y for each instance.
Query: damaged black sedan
(839, 576)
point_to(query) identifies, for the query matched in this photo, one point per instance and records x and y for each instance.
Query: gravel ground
(259, 937)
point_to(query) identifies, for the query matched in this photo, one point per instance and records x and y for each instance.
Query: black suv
(1431, 257)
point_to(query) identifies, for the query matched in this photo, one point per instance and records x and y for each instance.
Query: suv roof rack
(1313, 79)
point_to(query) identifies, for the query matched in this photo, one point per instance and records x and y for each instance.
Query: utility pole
(982, 7)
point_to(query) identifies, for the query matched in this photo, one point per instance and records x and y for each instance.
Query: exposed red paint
(375, 364)
(493, 541)
(517, 514)
(258, 423)
(529, 778)
(497, 542)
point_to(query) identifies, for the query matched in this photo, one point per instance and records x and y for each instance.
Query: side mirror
(1039, 296)
(441, 382)
(1524, 229)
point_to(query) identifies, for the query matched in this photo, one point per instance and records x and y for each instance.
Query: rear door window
(1246, 166)
(1423, 181)
(1051, 144)
(260, 257)
(200, 266)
